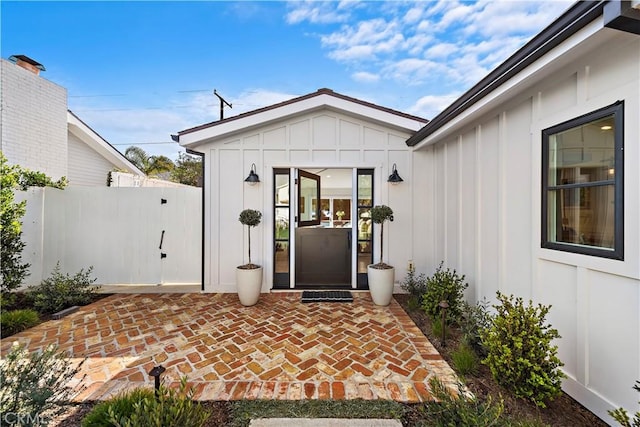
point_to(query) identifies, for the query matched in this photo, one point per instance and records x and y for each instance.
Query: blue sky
(137, 72)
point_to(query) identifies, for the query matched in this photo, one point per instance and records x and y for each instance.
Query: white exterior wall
(86, 166)
(115, 230)
(322, 139)
(34, 121)
(481, 183)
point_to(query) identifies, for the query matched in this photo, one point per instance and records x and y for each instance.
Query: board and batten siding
(313, 140)
(86, 166)
(481, 184)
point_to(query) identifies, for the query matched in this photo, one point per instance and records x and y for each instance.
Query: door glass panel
(282, 190)
(282, 257)
(281, 228)
(282, 223)
(364, 225)
(308, 199)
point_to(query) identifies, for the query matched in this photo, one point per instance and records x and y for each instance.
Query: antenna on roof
(222, 103)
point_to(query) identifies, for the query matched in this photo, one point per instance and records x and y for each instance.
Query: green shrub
(519, 350)
(171, 408)
(35, 385)
(14, 321)
(121, 406)
(622, 417)
(12, 269)
(447, 286)
(415, 286)
(465, 360)
(61, 291)
(473, 320)
(460, 411)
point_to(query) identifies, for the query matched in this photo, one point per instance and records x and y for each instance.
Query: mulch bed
(563, 411)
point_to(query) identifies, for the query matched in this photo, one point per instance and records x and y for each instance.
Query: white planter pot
(381, 284)
(249, 285)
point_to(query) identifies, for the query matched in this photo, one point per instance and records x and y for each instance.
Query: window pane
(365, 225)
(365, 187)
(282, 257)
(583, 154)
(364, 256)
(582, 216)
(282, 190)
(282, 223)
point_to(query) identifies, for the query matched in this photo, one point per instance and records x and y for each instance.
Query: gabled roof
(570, 22)
(313, 101)
(99, 144)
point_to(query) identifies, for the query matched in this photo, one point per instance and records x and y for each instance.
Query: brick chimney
(27, 63)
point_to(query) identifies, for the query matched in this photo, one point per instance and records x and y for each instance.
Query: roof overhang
(323, 99)
(90, 137)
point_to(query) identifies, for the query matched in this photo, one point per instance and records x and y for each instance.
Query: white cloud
(317, 12)
(441, 50)
(365, 77)
(448, 42)
(431, 105)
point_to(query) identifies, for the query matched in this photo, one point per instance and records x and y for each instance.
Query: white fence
(128, 235)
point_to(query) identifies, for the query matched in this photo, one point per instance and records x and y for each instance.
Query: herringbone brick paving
(277, 349)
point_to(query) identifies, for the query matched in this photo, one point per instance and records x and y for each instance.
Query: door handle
(349, 240)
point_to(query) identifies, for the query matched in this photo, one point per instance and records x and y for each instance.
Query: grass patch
(245, 410)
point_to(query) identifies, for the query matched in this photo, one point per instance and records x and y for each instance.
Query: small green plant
(14, 321)
(415, 286)
(35, 386)
(379, 215)
(250, 218)
(60, 291)
(465, 359)
(436, 327)
(621, 415)
(460, 410)
(444, 285)
(121, 406)
(519, 350)
(473, 320)
(170, 408)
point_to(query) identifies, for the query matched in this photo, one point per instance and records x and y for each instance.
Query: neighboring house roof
(569, 23)
(90, 137)
(322, 98)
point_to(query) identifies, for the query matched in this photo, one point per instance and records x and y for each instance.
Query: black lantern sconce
(253, 177)
(394, 178)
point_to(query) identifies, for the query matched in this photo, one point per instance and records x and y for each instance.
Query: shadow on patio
(277, 349)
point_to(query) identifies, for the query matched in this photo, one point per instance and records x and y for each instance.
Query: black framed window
(582, 184)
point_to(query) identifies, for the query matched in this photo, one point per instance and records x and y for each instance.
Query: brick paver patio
(277, 349)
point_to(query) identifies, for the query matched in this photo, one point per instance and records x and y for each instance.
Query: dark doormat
(327, 296)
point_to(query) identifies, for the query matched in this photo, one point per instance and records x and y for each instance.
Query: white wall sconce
(394, 178)
(253, 177)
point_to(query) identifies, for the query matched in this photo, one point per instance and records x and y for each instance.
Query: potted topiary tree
(249, 276)
(381, 275)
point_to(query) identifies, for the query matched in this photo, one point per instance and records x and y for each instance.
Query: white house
(528, 184)
(341, 150)
(41, 134)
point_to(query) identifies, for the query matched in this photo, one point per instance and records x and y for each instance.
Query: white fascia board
(99, 145)
(193, 139)
(552, 61)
